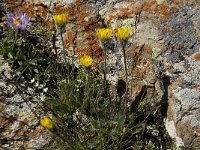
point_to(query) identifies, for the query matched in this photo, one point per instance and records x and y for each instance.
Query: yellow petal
(122, 33)
(46, 123)
(60, 19)
(86, 61)
(104, 34)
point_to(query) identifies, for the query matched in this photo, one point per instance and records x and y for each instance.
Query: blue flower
(18, 21)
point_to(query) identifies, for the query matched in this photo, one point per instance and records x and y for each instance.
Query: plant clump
(87, 112)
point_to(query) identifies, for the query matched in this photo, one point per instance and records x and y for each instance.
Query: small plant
(86, 114)
(30, 62)
(122, 34)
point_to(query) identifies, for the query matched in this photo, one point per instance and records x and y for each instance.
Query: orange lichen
(93, 50)
(58, 10)
(10, 4)
(79, 2)
(70, 11)
(152, 8)
(195, 4)
(164, 10)
(198, 130)
(41, 11)
(6, 121)
(124, 9)
(148, 50)
(70, 39)
(35, 133)
(197, 57)
(145, 17)
(87, 27)
(47, 24)
(80, 52)
(21, 8)
(30, 12)
(190, 1)
(121, 15)
(164, 17)
(174, 10)
(97, 52)
(197, 87)
(81, 17)
(137, 73)
(176, 3)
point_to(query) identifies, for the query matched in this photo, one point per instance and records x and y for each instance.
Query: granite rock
(162, 54)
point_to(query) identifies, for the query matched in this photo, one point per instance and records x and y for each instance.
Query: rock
(184, 96)
(19, 116)
(162, 56)
(183, 108)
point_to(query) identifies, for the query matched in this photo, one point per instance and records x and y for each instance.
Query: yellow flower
(122, 33)
(104, 34)
(46, 123)
(60, 19)
(86, 61)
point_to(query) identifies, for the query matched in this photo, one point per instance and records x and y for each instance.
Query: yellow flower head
(46, 123)
(60, 19)
(104, 34)
(122, 33)
(86, 61)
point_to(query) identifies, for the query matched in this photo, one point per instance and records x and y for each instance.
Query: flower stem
(65, 57)
(15, 38)
(64, 53)
(125, 66)
(105, 80)
(105, 67)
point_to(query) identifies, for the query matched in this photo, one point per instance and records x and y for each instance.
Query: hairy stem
(125, 66)
(63, 50)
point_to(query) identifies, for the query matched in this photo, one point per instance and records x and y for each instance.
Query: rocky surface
(20, 112)
(182, 67)
(163, 53)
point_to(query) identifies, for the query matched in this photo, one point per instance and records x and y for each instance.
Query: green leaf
(36, 70)
(20, 69)
(96, 124)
